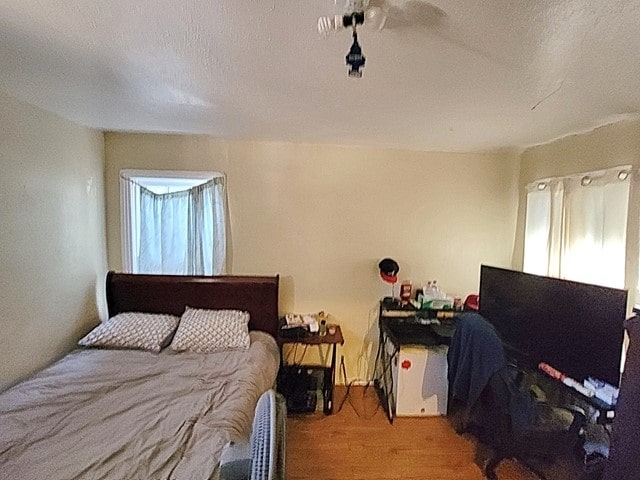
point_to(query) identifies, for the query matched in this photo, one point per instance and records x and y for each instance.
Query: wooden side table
(329, 373)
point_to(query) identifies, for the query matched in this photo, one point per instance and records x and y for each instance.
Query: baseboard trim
(362, 383)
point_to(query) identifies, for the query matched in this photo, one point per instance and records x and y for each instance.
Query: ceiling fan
(375, 15)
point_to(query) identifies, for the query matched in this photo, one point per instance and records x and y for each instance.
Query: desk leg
(386, 380)
(378, 380)
(329, 382)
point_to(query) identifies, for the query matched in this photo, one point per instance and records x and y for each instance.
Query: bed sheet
(126, 414)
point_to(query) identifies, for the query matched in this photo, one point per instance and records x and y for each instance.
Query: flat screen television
(575, 327)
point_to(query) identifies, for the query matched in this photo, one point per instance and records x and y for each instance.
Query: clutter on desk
(445, 314)
(434, 298)
(293, 331)
(568, 381)
(390, 302)
(602, 390)
(472, 302)
(405, 292)
(323, 328)
(309, 320)
(429, 297)
(457, 303)
(391, 312)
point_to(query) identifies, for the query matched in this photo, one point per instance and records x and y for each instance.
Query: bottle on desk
(322, 331)
(431, 292)
(405, 292)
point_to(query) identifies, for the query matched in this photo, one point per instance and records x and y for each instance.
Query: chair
(517, 425)
(495, 404)
(474, 355)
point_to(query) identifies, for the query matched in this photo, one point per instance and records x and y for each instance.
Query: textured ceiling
(475, 75)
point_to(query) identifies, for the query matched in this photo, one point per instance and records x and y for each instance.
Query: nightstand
(327, 373)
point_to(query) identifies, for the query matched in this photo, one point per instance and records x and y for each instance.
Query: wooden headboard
(258, 295)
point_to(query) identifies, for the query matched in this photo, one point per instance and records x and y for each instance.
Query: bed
(103, 413)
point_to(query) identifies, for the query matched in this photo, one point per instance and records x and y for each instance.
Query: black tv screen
(575, 327)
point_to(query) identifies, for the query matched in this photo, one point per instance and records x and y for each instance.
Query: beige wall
(609, 146)
(322, 217)
(52, 239)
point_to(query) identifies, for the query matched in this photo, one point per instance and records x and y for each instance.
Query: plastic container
(432, 296)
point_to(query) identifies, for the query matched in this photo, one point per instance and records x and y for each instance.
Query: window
(173, 222)
(576, 227)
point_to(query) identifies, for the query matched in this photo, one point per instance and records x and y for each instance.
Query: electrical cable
(378, 354)
(364, 416)
(343, 369)
(304, 352)
(386, 380)
(347, 395)
(290, 350)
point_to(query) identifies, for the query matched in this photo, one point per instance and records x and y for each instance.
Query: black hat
(389, 270)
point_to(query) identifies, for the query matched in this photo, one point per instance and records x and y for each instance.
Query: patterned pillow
(208, 331)
(143, 331)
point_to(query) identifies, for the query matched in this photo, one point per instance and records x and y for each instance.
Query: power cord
(343, 369)
(347, 395)
(294, 352)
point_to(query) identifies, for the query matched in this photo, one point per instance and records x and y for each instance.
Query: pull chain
(355, 59)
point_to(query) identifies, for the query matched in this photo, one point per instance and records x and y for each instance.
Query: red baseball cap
(389, 270)
(388, 278)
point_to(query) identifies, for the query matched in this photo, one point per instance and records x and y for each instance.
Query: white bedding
(126, 414)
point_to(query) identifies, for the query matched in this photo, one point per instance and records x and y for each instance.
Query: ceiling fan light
(329, 25)
(351, 6)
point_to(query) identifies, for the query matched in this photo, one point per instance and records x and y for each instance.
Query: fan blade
(375, 18)
(424, 15)
(415, 13)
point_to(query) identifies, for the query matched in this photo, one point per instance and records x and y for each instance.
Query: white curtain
(538, 228)
(576, 227)
(543, 227)
(594, 243)
(183, 233)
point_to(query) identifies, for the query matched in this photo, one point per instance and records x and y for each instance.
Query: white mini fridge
(420, 384)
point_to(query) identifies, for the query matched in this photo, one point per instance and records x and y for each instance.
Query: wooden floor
(359, 443)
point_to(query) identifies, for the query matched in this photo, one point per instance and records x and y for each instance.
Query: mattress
(126, 414)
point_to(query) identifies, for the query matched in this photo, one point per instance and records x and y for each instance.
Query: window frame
(129, 198)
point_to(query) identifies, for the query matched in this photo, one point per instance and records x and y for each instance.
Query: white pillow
(208, 331)
(143, 331)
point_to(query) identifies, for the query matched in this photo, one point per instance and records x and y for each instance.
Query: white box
(420, 384)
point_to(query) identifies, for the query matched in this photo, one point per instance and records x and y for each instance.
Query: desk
(405, 328)
(328, 373)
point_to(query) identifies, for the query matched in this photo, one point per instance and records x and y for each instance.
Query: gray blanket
(126, 414)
